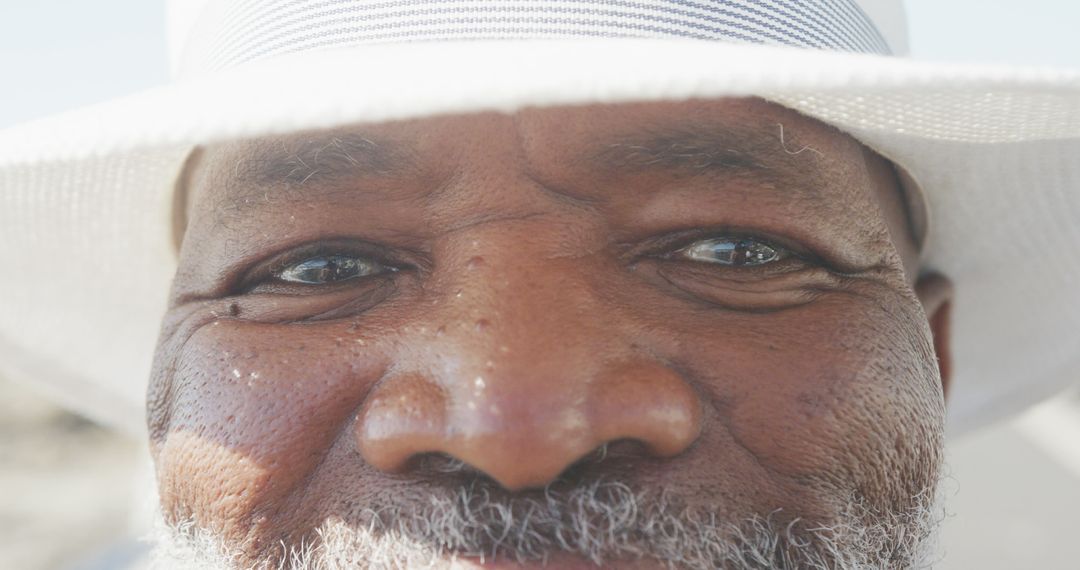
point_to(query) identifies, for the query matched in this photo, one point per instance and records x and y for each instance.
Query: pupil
(741, 253)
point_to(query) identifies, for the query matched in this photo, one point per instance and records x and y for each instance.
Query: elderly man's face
(654, 335)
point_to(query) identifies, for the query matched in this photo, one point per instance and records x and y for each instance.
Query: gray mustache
(598, 518)
(603, 520)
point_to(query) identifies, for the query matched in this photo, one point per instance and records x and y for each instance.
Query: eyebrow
(321, 158)
(704, 149)
(324, 159)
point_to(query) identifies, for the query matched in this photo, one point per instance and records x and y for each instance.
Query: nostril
(437, 464)
(618, 454)
(610, 459)
(620, 449)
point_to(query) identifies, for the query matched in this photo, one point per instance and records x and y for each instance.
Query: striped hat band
(232, 32)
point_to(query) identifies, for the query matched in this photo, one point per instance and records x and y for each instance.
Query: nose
(521, 436)
(530, 373)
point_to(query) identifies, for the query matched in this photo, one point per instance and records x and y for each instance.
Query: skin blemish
(234, 309)
(482, 324)
(474, 263)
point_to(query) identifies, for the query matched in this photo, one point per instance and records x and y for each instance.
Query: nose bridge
(522, 362)
(526, 300)
(523, 322)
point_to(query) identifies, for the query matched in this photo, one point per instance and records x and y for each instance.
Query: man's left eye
(731, 251)
(325, 269)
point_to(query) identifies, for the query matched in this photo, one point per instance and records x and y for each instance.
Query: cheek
(255, 407)
(841, 395)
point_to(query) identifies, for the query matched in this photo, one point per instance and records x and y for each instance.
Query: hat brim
(85, 213)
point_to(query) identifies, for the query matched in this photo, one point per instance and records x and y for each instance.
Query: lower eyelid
(286, 305)
(278, 286)
(796, 285)
(785, 264)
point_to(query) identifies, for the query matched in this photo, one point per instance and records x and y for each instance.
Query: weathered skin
(537, 313)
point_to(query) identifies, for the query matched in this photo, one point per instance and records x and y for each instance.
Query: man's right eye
(326, 269)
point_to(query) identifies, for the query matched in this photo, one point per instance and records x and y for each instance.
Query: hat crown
(208, 35)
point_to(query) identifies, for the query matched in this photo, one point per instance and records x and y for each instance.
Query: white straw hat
(85, 198)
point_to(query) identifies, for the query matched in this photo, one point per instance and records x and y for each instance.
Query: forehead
(729, 139)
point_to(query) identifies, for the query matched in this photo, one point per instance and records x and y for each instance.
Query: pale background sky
(1017, 485)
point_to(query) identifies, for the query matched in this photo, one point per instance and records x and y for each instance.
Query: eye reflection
(326, 269)
(737, 252)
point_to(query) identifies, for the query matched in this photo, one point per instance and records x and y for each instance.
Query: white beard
(599, 522)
